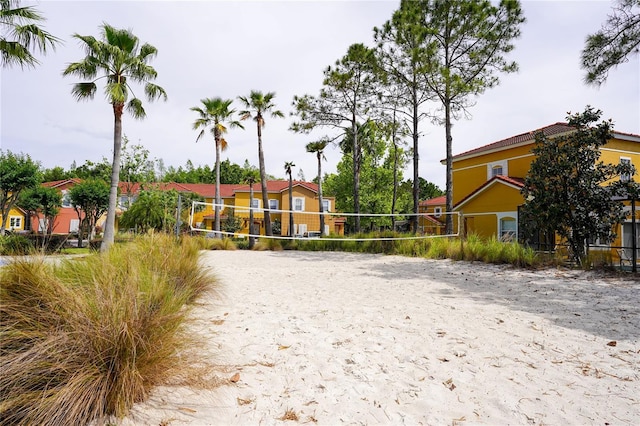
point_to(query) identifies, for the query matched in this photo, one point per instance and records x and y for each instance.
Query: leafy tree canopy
(18, 172)
(618, 39)
(568, 189)
(20, 34)
(90, 199)
(42, 200)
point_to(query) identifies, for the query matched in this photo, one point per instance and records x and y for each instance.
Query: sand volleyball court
(339, 338)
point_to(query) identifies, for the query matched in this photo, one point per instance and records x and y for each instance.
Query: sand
(338, 338)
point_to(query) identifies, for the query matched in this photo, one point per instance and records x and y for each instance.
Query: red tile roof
(62, 183)
(279, 186)
(437, 201)
(553, 129)
(208, 190)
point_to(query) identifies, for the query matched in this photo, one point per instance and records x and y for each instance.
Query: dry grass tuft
(289, 414)
(83, 340)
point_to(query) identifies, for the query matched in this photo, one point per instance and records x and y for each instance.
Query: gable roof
(523, 138)
(436, 201)
(62, 184)
(280, 186)
(528, 137)
(514, 182)
(208, 190)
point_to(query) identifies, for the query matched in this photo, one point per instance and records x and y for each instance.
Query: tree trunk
(291, 233)
(263, 183)
(356, 172)
(109, 226)
(449, 187)
(416, 180)
(321, 210)
(251, 239)
(218, 197)
(395, 173)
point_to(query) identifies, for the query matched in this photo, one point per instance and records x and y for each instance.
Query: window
(508, 229)
(74, 225)
(497, 168)
(326, 206)
(66, 199)
(15, 222)
(298, 204)
(255, 203)
(625, 177)
(437, 212)
(273, 204)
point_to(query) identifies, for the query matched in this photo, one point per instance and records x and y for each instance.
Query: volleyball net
(249, 222)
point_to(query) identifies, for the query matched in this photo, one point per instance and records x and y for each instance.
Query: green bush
(15, 245)
(85, 339)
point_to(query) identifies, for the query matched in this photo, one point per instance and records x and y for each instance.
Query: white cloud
(227, 48)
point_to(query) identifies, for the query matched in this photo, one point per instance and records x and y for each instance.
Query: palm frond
(201, 134)
(13, 52)
(22, 34)
(116, 92)
(223, 144)
(84, 91)
(123, 39)
(147, 51)
(32, 35)
(153, 92)
(86, 68)
(135, 109)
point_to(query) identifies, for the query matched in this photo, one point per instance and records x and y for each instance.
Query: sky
(228, 48)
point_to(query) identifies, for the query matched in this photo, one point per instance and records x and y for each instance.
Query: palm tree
(287, 168)
(119, 59)
(19, 24)
(213, 113)
(319, 147)
(257, 105)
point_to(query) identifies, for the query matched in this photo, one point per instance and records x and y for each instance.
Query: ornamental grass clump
(83, 340)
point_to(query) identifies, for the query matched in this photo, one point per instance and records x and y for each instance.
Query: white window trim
(295, 199)
(437, 211)
(273, 200)
(74, 225)
(506, 215)
(17, 222)
(255, 200)
(502, 163)
(328, 209)
(626, 177)
(66, 199)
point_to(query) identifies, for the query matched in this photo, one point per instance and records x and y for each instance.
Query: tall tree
(348, 90)
(135, 168)
(215, 115)
(618, 39)
(120, 59)
(568, 189)
(318, 148)
(403, 62)
(258, 105)
(153, 209)
(466, 43)
(376, 180)
(90, 199)
(44, 201)
(288, 165)
(20, 34)
(18, 172)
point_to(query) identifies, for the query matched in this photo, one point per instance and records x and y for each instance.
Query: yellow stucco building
(236, 200)
(487, 181)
